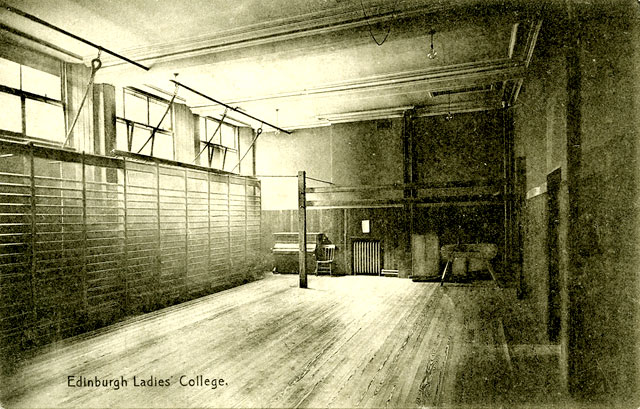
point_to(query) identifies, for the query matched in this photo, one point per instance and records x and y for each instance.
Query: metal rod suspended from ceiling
(65, 32)
(230, 107)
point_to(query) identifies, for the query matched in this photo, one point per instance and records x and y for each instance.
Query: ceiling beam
(429, 79)
(370, 115)
(53, 27)
(397, 112)
(22, 36)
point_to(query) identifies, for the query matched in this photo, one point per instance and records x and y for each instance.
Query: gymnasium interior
(319, 203)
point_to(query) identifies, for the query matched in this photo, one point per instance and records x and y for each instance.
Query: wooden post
(347, 248)
(158, 291)
(208, 224)
(573, 363)
(229, 259)
(186, 234)
(126, 237)
(85, 301)
(409, 176)
(33, 254)
(302, 228)
(246, 219)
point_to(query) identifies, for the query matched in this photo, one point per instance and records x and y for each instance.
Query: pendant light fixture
(432, 53)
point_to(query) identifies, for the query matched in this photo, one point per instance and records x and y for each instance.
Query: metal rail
(230, 107)
(65, 32)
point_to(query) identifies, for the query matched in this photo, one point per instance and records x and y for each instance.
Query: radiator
(367, 257)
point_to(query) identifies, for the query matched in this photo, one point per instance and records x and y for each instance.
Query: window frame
(212, 147)
(27, 95)
(149, 99)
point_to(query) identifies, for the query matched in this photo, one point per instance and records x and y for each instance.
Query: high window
(31, 101)
(137, 114)
(220, 143)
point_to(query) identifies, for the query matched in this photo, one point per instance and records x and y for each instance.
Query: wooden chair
(324, 262)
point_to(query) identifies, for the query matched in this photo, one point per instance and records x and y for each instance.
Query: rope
(320, 180)
(212, 135)
(95, 66)
(258, 133)
(369, 26)
(294, 176)
(153, 133)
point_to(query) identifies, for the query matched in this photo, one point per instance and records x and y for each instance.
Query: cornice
(316, 23)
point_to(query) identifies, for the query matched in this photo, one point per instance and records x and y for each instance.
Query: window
(219, 141)
(137, 114)
(31, 102)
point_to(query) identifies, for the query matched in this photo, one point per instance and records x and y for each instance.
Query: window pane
(216, 162)
(9, 73)
(119, 102)
(228, 136)
(121, 136)
(135, 108)
(202, 160)
(163, 146)
(203, 131)
(212, 126)
(44, 120)
(156, 110)
(140, 136)
(231, 161)
(218, 158)
(41, 83)
(11, 113)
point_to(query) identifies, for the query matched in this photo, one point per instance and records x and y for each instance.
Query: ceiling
(298, 63)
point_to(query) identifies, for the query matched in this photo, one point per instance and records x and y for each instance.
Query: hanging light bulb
(432, 53)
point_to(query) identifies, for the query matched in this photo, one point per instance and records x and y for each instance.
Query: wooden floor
(344, 342)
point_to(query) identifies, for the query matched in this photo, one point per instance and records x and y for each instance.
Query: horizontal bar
(401, 186)
(462, 204)
(14, 184)
(25, 148)
(75, 37)
(396, 202)
(168, 162)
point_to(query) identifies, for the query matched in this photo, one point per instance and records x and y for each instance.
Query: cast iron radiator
(367, 257)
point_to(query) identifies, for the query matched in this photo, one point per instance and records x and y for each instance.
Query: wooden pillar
(345, 239)
(508, 194)
(572, 361)
(520, 193)
(33, 254)
(125, 296)
(409, 167)
(246, 219)
(229, 259)
(158, 273)
(85, 301)
(186, 234)
(208, 223)
(302, 228)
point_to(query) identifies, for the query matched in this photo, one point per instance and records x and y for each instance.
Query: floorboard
(343, 342)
